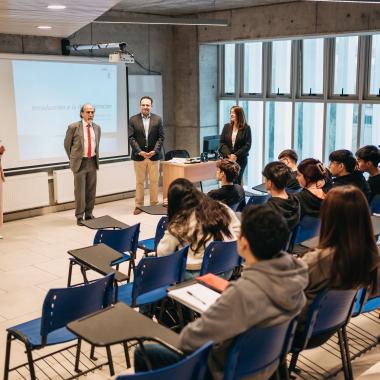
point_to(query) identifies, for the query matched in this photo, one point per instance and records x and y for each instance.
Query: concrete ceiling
(183, 7)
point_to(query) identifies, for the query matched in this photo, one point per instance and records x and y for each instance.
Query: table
(119, 324)
(154, 210)
(260, 188)
(105, 221)
(313, 242)
(193, 172)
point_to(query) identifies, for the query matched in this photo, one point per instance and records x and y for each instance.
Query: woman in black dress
(236, 140)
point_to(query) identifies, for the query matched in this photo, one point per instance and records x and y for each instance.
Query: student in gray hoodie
(269, 292)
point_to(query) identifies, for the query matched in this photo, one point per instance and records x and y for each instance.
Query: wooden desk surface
(120, 323)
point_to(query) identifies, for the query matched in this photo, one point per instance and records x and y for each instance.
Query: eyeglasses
(89, 111)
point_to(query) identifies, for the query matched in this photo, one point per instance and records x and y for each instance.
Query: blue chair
(150, 245)
(257, 199)
(152, 277)
(307, 228)
(220, 257)
(60, 307)
(190, 367)
(328, 314)
(375, 204)
(257, 349)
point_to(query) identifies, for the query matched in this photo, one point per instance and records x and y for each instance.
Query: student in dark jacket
(229, 193)
(311, 176)
(236, 140)
(343, 169)
(276, 176)
(290, 158)
(368, 158)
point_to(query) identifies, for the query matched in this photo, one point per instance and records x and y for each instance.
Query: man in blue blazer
(146, 136)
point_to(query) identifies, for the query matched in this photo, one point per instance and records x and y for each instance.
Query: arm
(244, 150)
(167, 245)
(69, 140)
(160, 140)
(132, 138)
(224, 150)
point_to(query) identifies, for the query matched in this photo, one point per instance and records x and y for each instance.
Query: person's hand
(151, 153)
(232, 157)
(143, 154)
(2, 149)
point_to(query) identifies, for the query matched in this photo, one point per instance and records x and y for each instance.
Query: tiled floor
(33, 259)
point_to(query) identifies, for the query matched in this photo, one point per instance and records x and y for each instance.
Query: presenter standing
(236, 140)
(146, 136)
(2, 179)
(82, 148)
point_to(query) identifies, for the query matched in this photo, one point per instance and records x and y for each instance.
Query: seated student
(197, 220)
(276, 175)
(227, 172)
(269, 292)
(290, 158)
(311, 175)
(343, 169)
(347, 255)
(368, 158)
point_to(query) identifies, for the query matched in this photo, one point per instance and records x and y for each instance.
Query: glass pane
(308, 133)
(370, 131)
(346, 55)
(278, 129)
(252, 67)
(342, 126)
(254, 114)
(224, 112)
(281, 58)
(229, 68)
(312, 66)
(375, 66)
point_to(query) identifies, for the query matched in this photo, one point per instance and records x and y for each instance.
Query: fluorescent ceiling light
(57, 7)
(44, 27)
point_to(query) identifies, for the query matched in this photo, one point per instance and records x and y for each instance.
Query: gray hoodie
(268, 293)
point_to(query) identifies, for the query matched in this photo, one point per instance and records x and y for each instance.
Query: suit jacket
(74, 142)
(138, 140)
(242, 143)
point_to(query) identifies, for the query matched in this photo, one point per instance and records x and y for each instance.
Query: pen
(197, 298)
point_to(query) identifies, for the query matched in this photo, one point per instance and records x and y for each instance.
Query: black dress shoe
(80, 222)
(88, 217)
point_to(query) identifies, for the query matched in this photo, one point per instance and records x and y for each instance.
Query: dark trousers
(85, 188)
(242, 161)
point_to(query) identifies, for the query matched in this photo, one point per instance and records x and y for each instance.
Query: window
(281, 62)
(308, 132)
(252, 68)
(345, 67)
(254, 113)
(229, 68)
(342, 124)
(370, 129)
(312, 66)
(278, 129)
(224, 112)
(374, 88)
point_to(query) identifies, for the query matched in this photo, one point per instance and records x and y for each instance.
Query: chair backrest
(220, 257)
(365, 303)
(254, 350)
(330, 310)
(123, 240)
(156, 272)
(375, 204)
(241, 205)
(190, 367)
(160, 230)
(258, 199)
(307, 228)
(181, 153)
(63, 305)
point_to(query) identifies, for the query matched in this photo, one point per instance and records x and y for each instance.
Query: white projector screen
(41, 96)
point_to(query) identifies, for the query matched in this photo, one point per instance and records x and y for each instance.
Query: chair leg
(343, 354)
(145, 355)
(83, 270)
(71, 263)
(77, 356)
(347, 349)
(283, 369)
(7, 356)
(126, 353)
(30, 363)
(293, 362)
(200, 184)
(131, 267)
(92, 353)
(110, 362)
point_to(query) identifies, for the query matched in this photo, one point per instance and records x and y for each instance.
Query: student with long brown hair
(347, 256)
(197, 220)
(236, 140)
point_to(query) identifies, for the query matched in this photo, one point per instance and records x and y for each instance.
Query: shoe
(88, 217)
(80, 222)
(137, 211)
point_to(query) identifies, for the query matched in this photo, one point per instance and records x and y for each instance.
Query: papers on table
(196, 296)
(178, 160)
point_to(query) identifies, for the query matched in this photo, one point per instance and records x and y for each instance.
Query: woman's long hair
(239, 117)
(212, 218)
(346, 228)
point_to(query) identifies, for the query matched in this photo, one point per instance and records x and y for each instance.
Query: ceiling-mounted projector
(122, 55)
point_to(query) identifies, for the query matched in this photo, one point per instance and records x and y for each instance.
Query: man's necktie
(89, 141)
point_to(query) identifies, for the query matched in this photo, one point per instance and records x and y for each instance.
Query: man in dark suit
(146, 136)
(82, 148)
